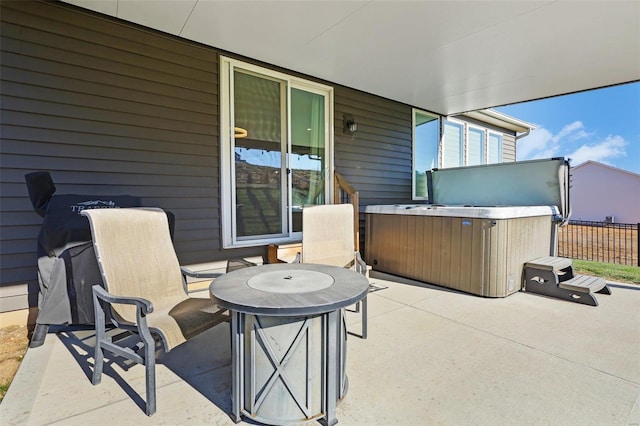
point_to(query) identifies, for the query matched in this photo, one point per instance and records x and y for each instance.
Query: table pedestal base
(288, 370)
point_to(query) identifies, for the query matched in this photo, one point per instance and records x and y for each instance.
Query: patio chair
(143, 289)
(328, 239)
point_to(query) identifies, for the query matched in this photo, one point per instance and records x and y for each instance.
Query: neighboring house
(602, 193)
(470, 139)
(231, 146)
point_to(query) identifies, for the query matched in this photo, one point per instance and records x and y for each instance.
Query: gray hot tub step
(549, 263)
(554, 277)
(584, 284)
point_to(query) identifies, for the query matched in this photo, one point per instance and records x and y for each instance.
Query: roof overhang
(500, 120)
(448, 57)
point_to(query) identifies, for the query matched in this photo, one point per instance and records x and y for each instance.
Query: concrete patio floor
(432, 357)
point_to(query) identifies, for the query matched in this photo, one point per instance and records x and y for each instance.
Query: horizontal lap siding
(106, 108)
(379, 152)
(376, 159)
(110, 108)
(508, 148)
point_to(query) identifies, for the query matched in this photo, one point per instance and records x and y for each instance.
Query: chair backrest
(327, 235)
(136, 256)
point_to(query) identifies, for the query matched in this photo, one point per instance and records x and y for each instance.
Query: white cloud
(534, 143)
(569, 131)
(541, 143)
(611, 147)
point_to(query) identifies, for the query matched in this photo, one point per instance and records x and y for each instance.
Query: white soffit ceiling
(443, 56)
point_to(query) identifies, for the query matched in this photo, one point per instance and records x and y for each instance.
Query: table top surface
(289, 289)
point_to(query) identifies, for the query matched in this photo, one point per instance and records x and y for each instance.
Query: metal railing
(600, 242)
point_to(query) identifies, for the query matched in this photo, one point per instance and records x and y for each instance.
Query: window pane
(308, 155)
(452, 145)
(475, 147)
(494, 148)
(258, 155)
(426, 134)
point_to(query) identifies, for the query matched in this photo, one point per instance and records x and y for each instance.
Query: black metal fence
(600, 242)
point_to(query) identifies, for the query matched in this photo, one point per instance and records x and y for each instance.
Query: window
(452, 144)
(426, 134)
(276, 148)
(461, 144)
(475, 146)
(494, 148)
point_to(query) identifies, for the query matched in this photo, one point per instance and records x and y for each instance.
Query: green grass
(3, 390)
(608, 271)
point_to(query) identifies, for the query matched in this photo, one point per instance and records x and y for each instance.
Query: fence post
(638, 242)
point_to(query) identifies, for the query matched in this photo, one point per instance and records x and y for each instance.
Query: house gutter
(523, 134)
(499, 119)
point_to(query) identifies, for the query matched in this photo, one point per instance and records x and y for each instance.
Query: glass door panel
(260, 175)
(308, 156)
(426, 134)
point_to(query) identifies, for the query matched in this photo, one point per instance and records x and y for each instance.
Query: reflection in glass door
(426, 135)
(260, 176)
(307, 157)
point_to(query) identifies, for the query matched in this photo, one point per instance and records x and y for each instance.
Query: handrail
(344, 193)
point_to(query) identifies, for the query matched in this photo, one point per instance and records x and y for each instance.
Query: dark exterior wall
(376, 159)
(107, 108)
(111, 108)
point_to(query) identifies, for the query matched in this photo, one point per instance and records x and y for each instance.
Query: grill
(67, 266)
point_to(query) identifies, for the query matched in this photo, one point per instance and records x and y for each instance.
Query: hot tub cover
(481, 212)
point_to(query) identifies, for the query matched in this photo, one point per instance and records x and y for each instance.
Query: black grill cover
(63, 223)
(41, 188)
(67, 266)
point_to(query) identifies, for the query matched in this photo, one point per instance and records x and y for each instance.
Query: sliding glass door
(277, 155)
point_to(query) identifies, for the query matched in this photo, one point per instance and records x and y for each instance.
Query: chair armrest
(199, 274)
(144, 305)
(186, 272)
(143, 308)
(361, 266)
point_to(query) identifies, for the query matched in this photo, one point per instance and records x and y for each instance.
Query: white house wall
(599, 191)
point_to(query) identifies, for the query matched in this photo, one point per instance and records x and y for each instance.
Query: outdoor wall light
(350, 125)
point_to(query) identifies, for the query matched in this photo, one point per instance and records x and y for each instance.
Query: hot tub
(479, 250)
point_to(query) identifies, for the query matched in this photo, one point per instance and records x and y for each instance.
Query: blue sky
(601, 125)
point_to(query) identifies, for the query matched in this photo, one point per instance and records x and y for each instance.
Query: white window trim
(227, 212)
(484, 143)
(413, 151)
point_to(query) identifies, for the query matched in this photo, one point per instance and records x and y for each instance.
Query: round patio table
(288, 340)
